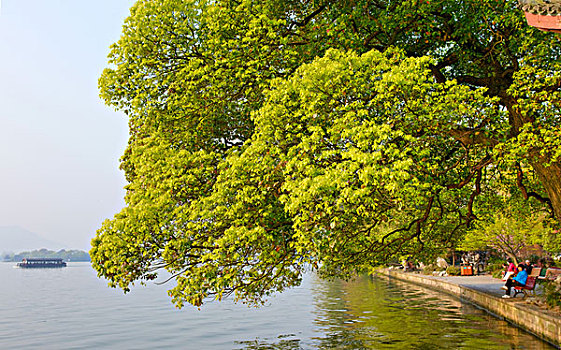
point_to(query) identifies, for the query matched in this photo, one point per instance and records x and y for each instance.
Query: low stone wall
(523, 315)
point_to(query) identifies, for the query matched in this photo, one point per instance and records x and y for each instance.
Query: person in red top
(510, 269)
(511, 266)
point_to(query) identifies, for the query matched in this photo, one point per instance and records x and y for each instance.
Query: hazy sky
(59, 144)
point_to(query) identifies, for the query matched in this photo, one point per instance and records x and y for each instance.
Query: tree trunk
(550, 178)
(513, 257)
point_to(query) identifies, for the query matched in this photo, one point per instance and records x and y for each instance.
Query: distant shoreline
(65, 255)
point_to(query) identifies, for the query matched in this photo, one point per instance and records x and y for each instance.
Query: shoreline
(484, 292)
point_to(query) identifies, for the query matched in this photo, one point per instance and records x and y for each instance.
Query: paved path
(483, 283)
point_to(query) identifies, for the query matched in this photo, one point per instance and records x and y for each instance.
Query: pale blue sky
(59, 144)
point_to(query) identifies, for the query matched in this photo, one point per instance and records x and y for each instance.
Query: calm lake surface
(71, 308)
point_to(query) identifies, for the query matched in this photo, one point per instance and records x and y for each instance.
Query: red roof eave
(544, 22)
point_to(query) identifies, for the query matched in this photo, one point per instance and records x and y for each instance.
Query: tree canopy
(270, 137)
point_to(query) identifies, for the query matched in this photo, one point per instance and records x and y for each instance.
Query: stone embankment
(485, 292)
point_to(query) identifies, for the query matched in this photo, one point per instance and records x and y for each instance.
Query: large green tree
(268, 137)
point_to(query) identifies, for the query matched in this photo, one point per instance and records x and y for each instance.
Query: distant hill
(66, 255)
(15, 239)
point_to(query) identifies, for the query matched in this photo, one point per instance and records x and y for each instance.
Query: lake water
(71, 308)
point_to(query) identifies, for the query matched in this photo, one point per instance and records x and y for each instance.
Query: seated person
(510, 269)
(529, 267)
(543, 267)
(518, 280)
(510, 265)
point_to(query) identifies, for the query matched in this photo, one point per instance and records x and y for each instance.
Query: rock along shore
(485, 292)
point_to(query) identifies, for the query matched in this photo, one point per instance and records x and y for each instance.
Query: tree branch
(524, 190)
(308, 18)
(472, 137)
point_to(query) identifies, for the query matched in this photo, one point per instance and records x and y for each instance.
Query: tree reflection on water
(371, 313)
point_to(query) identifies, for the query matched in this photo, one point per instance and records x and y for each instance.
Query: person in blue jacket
(518, 280)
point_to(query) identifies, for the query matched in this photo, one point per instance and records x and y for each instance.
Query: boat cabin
(41, 263)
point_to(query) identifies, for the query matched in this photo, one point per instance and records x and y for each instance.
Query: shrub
(453, 271)
(496, 270)
(495, 260)
(552, 293)
(429, 269)
(497, 273)
(494, 267)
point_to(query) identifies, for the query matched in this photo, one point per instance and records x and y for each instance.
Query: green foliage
(552, 293)
(271, 137)
(453, 270)
(429, 269)
(496, 269)
(498, 273)
(508, 234)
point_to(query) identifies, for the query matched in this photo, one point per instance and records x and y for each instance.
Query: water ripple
(72, 309)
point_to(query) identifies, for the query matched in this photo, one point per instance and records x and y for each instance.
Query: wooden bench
(552, 273)
(527, 288)
(549, 273)
(536, 272)
(543, 272)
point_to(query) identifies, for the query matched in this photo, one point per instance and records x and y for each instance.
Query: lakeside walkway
(483, 283)
(485, 292)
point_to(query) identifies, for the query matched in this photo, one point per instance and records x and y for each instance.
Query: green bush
(498, 266)
(497, 273)
(453, 271)
(533, 258)
(429, 269)
(496, 269)
(495, 260)
(552, 293)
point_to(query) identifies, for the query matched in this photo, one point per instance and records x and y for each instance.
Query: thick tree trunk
(550, 177)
